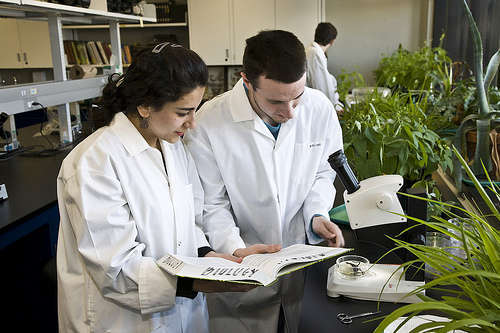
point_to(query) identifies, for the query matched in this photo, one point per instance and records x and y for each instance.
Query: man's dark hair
(278, 55)
(153, 79)
(325, 33)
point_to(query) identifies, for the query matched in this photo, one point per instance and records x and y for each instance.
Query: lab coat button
(179, 243)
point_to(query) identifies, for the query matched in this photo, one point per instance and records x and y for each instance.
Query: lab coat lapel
(320, 51)
(182, 199)
(241, 110)
(285, 130)
(169, 164)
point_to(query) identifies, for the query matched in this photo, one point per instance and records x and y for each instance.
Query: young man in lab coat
(261, 150)
(318, 76)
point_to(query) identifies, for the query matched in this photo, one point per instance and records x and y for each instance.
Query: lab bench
(29, 221)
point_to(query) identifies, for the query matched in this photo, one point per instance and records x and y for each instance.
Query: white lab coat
(118, 216)
(262, 190)
(318, 76)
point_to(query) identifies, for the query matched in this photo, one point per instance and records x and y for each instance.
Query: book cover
(102, 53)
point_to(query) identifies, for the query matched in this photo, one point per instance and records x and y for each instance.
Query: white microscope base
(369, 286)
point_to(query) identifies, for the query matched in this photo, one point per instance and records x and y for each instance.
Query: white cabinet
(25, 45)
(300, 17)
(218, 28)
(209, 30)
(249, 18)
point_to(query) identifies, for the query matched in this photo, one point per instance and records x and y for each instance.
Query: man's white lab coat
(259, 189)
(120, 212)
(318, 76)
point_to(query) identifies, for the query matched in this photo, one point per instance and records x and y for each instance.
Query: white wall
(367, 29)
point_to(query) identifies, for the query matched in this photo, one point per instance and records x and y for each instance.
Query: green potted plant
(485, 116)
(347, 81)
(423, 70)
(471, 265)
(390, 136)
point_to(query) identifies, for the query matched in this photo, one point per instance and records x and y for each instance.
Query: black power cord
(31, 151)
(44, 109)
(3, 118)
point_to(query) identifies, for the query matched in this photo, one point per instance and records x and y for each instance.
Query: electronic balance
(370, 205)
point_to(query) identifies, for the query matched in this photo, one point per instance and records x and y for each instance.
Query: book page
(272, 263)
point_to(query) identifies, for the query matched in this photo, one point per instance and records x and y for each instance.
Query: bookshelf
(71, 12)
(146, 25)
(61, 91)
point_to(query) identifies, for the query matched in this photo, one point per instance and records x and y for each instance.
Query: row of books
(92, 53)
(167, 11)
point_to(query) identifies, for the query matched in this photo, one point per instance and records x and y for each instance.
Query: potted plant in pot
(421, 71)
(485, 116)
(390, 136)
(470, 265)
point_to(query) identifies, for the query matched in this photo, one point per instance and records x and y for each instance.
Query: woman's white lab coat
(318, 76)
(120, 212)
(259, 189)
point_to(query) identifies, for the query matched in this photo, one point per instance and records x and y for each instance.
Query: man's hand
(224, 256)
(257, 248)
(328, 230)
(210, 286)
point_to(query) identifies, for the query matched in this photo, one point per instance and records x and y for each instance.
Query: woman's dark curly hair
(157, 75)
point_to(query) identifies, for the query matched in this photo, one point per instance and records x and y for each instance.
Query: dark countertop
(30, 181)
(319, 311)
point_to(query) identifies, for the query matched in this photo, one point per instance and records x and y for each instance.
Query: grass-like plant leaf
(471, 266)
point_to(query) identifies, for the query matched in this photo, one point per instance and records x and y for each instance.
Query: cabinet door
(10, 54)
(300, 17)
(35, 43)
(209, 26)
(249, 18)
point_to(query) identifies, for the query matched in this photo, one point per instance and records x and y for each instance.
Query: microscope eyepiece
(339, 163)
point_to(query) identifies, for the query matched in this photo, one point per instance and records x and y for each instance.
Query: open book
(262, 269)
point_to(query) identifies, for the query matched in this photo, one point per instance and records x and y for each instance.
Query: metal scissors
(346, 319)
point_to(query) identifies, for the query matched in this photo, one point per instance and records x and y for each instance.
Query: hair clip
(120, 81)
(158, 48)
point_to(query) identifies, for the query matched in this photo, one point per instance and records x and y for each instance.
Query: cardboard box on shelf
(99, 5)
(149, 10)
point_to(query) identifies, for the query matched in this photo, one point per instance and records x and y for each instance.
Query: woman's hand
(209, 286)
(257, 248)
(224, 256)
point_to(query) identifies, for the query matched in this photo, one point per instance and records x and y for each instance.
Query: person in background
(318, 76)
(261, 150)
(128, 195)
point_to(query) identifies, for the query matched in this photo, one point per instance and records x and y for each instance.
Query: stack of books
(93, 53)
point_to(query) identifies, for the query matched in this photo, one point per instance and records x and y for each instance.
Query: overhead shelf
(60, 92)
(16, 2)
(105, 26)
(19, 98)
(33, 9)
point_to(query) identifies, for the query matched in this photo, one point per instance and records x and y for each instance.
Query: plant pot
(471, 138)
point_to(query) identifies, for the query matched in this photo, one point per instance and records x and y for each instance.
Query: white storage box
(99, 5)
